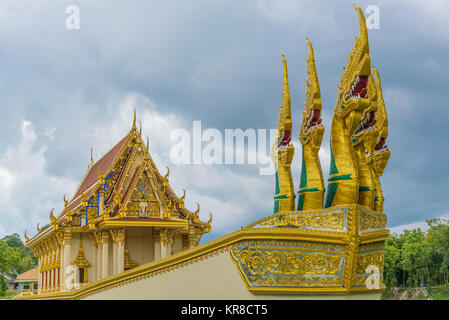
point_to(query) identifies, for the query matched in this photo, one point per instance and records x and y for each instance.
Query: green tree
(3, 286)
(15, 257)
(8, 257)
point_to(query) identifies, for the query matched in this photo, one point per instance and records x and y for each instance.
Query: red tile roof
(104, 164)
(91, 177)
(29, 275)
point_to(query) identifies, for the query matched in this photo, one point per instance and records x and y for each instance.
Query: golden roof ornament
(196, 217)
(38, 229)
(65, 202)
(52, 217)
(165, 178)
(181, 200)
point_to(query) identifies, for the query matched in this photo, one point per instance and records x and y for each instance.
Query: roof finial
(148, 144)
(134, 121)
(140, 130)
(91, 156)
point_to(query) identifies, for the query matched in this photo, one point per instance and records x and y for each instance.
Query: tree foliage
(15, 258)
(417, 258)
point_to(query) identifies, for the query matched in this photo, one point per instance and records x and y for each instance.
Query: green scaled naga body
(311, 188)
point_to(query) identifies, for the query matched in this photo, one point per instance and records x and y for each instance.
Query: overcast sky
(64, 91)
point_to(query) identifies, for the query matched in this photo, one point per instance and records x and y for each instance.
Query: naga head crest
(352, 90)
(381, 152)
(285, 114)
(311, 122)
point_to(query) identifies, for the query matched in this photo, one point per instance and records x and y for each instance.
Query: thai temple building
(127, 235)
(123, 214)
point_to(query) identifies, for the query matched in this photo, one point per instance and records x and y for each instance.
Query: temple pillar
(118, 239)
(185, 242)
(114, 257)
(165, 243)
(57, 279)
(157, 244)
(121, 251)
(52, 275)
(191, 238)
(65, 262)
(99, 260)
(105, 254)
(39, 275)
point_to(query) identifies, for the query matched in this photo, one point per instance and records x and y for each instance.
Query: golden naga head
(311, 127)
(381, 152)
(284, 129)
(352, 90)
(365, 132)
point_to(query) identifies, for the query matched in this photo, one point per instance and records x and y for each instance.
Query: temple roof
(105, 164)
(124, 187)
(31, 275)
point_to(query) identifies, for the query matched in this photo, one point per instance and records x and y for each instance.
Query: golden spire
(148, 144)
(134, 121)
(285, 115)
(140, 129)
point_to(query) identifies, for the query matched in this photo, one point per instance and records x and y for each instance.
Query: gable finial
(134, 121)
(91, 156)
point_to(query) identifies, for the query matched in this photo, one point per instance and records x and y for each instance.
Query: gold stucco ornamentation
(331, 221)
(372, 220)
(289, 264)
